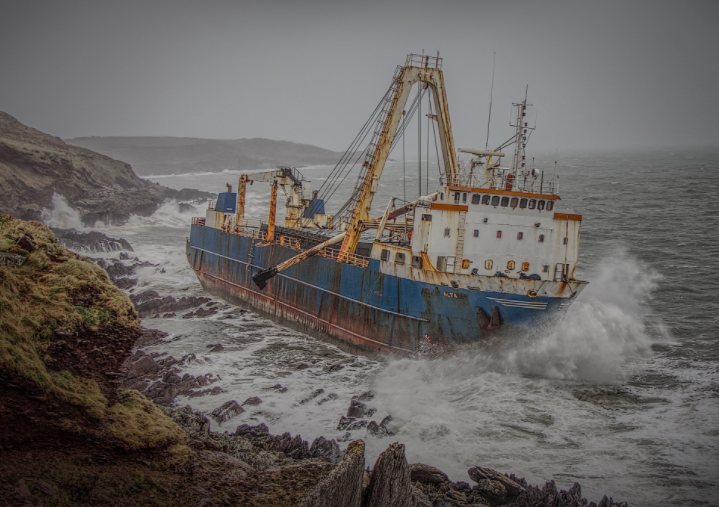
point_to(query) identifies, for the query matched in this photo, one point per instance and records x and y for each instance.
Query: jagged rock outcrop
(149, 303)
(390, 483)
(90, 242)
(342, 487)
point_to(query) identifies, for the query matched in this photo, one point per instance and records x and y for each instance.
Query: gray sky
(601, 73)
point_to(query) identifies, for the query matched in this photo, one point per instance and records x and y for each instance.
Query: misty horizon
(601, 76)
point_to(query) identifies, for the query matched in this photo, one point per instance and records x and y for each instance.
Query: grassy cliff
(64, 331)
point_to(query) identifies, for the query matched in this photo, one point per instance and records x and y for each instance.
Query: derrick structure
(417, 69)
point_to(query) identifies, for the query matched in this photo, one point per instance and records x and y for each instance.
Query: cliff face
(34, 165)
(179, 155)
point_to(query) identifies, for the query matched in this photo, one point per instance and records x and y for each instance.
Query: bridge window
(485, 199)
(456, 197)
(464, 198)
(495, 200)
(520, 235)
(522, 203)
(447, 232)
(475, 198)
(385, 255)
(426, 218)
(550, 205)
(513, 203)
(541, 238)
(476, 233)
(399, 258)
(505, 202)
(540, 205)
(417, 262)
(532, 203)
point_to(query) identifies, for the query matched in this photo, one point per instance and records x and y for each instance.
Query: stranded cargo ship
(485, 252)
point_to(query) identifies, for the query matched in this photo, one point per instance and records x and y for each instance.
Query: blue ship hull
(360, 308)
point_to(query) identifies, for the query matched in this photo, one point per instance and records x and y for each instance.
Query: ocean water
(622, 395)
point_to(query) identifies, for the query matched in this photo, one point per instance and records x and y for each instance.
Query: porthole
(476, 233)
(541, 238)
(565, 241)
(510, 265)
(525, 266)
(447, 232)
(520, 235)
(499, 234)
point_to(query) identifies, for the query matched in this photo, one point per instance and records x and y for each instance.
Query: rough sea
(621, 395)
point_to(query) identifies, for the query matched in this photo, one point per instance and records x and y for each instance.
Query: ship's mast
(520, 136)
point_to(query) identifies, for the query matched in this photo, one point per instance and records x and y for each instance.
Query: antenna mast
(491, 92)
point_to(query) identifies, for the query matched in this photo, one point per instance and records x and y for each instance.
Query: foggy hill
(34, 165)
(179, 155)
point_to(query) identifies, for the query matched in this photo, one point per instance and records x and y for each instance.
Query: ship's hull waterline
(360, 308)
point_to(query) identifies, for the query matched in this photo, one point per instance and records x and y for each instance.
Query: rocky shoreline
(89, 417)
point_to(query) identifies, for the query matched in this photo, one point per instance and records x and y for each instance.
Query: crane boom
(410, 75)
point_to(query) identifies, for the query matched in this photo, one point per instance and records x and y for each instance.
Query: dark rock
(27, 242)
(342, 487)
(366, 396)
(216, 348)
(193, 422)
(278, 388)
(380, 430)
(314, 394)
(426, 474)
(329, 397)
(351, 424)
(21, 490)
(227, 411)
(93, 241)
(326, 449)
(357, 409)
(252, 432)
(12, 260)
(142, 367)
(293, 447)
(335, 367)
(169, 315)
(171, 378)
(125, 283)
(303, 366)
(491, 490)
(479, 473)
(45, 487)
(150, 303)
(390, 483)
(253, 401)
(150, 337)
